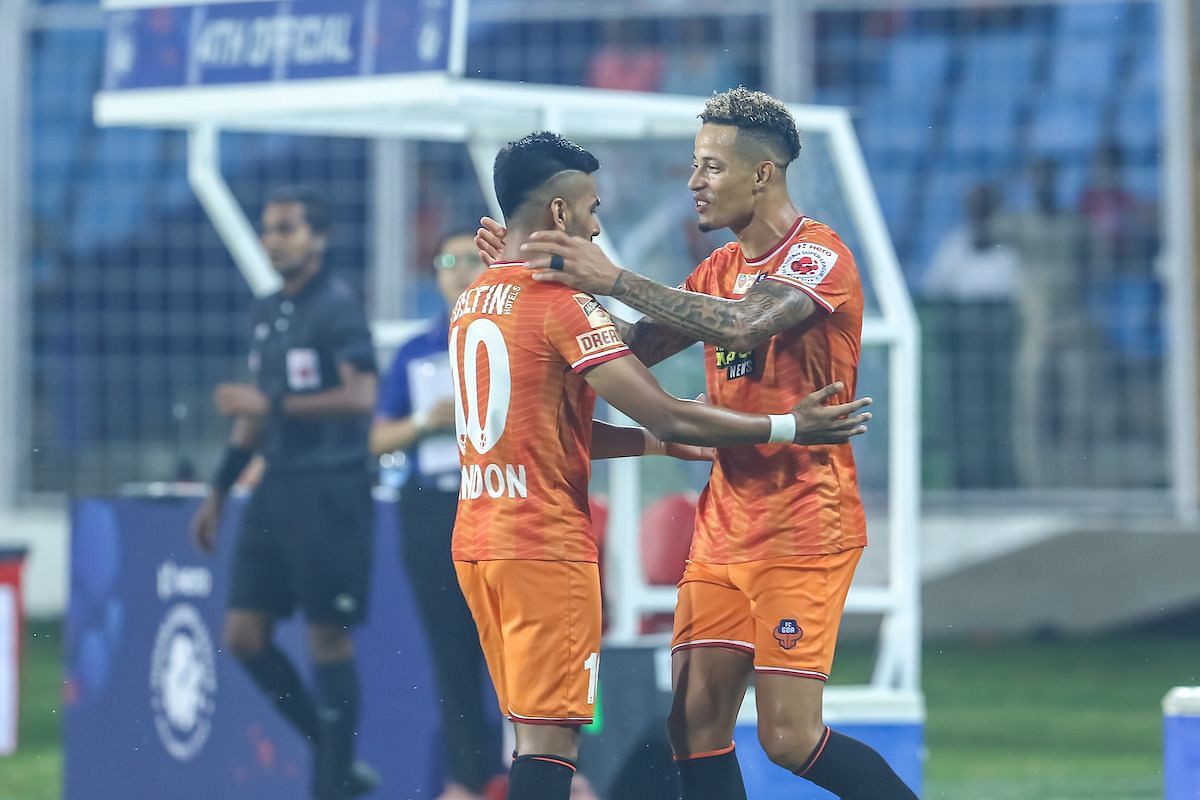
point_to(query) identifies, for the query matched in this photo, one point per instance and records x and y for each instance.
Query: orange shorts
(783, 611)
(539, 625)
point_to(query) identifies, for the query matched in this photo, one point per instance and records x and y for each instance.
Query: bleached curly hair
(759, 117)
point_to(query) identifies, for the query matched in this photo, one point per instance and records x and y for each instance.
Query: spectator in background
(624, 61)
(970, 264)
(968, 317)
(696, 64)
(1053, 387)
(1125, 305)
(416, 415)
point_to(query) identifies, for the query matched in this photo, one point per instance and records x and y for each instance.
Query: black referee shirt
(296, 345)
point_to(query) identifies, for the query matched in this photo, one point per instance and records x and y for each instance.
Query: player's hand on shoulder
(572, 260)
(818, 423)
(206, 522)
(490, 240)
(241, 400)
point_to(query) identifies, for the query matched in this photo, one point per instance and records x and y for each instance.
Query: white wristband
(783, 428)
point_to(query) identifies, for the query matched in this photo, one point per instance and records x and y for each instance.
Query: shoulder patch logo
(597, 317)
(808, 263)
(745, 280)
(788, 633)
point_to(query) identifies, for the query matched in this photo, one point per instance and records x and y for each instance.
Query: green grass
(1064, 720)
(35, 772)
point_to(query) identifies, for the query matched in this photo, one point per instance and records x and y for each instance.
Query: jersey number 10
(483, 435)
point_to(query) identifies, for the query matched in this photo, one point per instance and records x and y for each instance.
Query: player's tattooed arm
(740, 325)
(650, 341)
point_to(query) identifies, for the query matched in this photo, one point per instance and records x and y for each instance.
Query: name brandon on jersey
(493, 480)
(496, 300)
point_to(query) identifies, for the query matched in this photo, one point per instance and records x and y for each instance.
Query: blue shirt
(395, 396)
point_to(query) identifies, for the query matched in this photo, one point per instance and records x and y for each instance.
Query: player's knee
(330, 643)
(698, 721)
(789, 744)
(244, 640)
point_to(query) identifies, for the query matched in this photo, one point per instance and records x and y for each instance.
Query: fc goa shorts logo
(788, 633)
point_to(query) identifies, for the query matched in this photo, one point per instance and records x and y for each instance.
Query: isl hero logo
(788, 633)
(736, 365)
(183, 682)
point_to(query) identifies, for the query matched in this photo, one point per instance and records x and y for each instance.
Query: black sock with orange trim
(711, 776)
(852, 770)
(540, 777)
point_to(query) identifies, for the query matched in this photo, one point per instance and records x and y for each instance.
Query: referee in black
(305, 540)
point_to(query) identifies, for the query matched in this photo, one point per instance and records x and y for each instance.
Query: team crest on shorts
(788, 633)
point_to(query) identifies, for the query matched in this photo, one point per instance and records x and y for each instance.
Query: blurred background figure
(968, 293)
(415, 420)
(1054, 386)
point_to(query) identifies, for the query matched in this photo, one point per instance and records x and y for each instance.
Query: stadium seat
(1088, 20)
(982, 129)
(1084, 65)
(1066, 124)
(896, 128)
(917, 65)
(999, 62)
(667, 527)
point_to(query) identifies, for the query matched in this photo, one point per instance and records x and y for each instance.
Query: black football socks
(278, 679)
(540, 777)
(852, 770)
(711, 776)
(337, 723)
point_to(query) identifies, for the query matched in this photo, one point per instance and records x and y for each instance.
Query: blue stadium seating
(917, 64)
(1000, 62)
(1084, 65)
(1065, 124)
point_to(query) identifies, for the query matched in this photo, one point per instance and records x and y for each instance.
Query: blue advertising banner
(156, 708)
(280, 40)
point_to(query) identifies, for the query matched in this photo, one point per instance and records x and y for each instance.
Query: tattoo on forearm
(652, 342)
(767, 309)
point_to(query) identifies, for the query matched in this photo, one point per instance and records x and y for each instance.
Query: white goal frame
(484, 115)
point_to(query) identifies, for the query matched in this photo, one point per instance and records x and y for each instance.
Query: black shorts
(306, 542)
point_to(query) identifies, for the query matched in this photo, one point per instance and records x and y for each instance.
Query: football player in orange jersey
(528, 359)
(779, 530)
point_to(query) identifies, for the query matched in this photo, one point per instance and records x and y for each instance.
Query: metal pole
(14, 401)
(1179, 251)
(234, 228)
(392, 257)
(790, 51)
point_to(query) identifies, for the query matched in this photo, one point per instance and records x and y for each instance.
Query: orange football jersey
(523, 415)
(767, 501)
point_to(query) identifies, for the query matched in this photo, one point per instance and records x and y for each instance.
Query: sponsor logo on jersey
(597, 317)
(807, 263)
(745, 281)
(736, 365)
(496, 299)
(595, 341)
(788, 633)
(183, 681)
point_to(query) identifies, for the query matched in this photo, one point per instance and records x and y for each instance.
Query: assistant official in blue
(416, 415)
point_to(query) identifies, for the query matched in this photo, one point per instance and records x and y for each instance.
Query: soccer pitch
(1008, 720)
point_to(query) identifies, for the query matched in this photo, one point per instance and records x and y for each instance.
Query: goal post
(360, 93)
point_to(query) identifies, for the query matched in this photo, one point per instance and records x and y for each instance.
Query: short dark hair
(316, 210)
(526, 164)
(759, 116)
